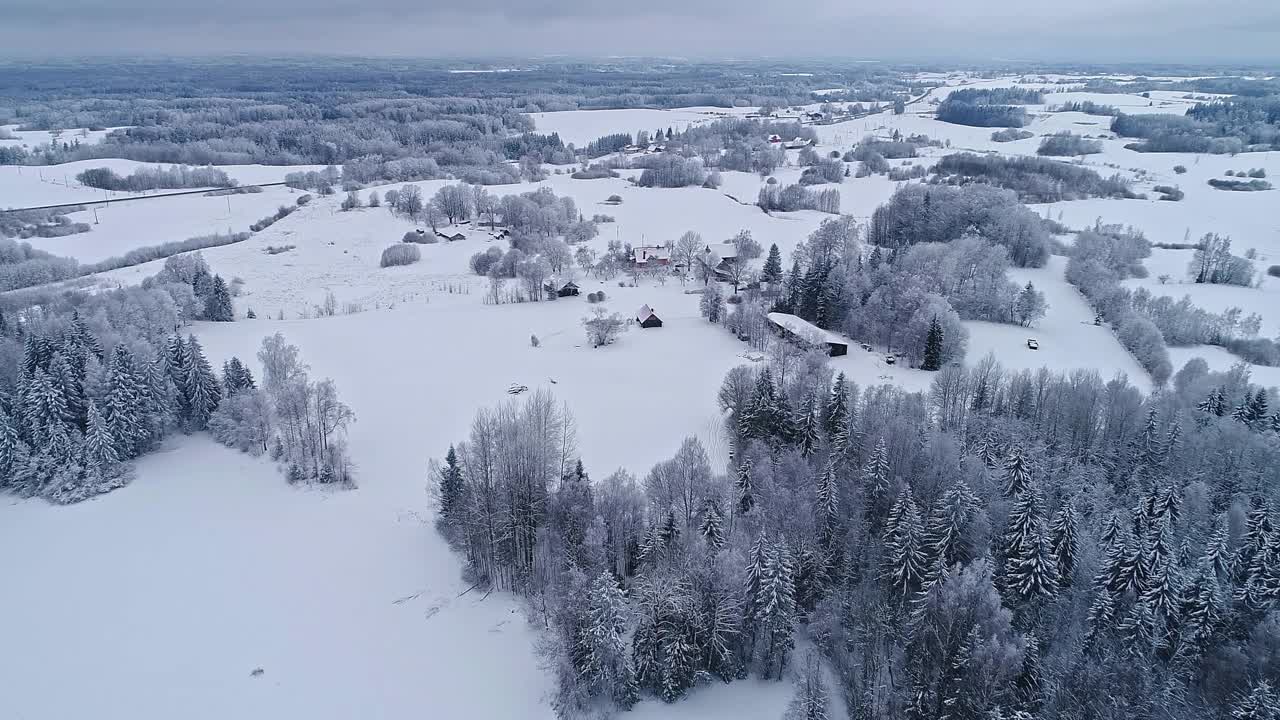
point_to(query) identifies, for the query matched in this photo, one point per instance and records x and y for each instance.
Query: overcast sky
(1084, 30)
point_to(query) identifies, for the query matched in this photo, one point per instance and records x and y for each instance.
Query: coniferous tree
(875, 472)
(99, 445)
(948, 525)
(772, 271)
(124, 407)
(1028, 567)
(451, 485)
(217, 306)
(13, 450)
(835, 414)
(933, 346)
(199, 386)
(1261, 703)
(1017, 473)
(746, 492)
(605, 666)
(776, 608)
(1063, 543)
(806, 425)
(827, 508)
(904, 547)
(712, 526)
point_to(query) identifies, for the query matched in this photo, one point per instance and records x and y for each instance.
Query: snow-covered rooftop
(804, 329)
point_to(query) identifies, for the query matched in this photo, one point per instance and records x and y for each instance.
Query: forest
(985, 549)
(1035, 179)
(995, 107)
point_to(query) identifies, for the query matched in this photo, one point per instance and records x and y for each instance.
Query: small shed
(801, 330)
(569, 289)
(647, 317)
(451, 238)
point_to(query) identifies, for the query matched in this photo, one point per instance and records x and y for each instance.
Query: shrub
(598, 218)
(1240, 185)
(1169, 193)
(1274, 271)
(277, 249)
(154, 178)
(1010, 135)
(593, 298)
(1258, 173)
(400, 254)
(614, 200)
(594, 172)
(1180, 169)
(1064, 144)
(304, 199)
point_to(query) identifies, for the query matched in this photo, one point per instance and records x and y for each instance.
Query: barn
(569, 289)
(647, 317)
(803, 331)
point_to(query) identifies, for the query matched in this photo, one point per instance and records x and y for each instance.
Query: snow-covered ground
(117, 228)
(173, 590)
(35, 185)
(582, 126)
(31, 139)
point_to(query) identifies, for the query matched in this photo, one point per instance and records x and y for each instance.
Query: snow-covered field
(117, 228)
(582, 126)
(163, 597)
(29, 186)
(31, 139)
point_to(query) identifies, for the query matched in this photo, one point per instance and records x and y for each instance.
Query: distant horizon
(956, 63)
(1085, 31)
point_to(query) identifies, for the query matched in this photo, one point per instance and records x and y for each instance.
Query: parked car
(1033, 344)
(866, 347)
(890, 360)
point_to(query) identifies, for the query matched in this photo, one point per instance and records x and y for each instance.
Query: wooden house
(647, 317)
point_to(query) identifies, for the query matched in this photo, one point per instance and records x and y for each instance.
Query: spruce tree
(13, 451)
(772, 271)
(904, 547)
(1261, 703)
(44, 406)
(605, 667)
(807, 424)
(199, 386)
(775, 607)
(1062, 541)
(746, 493)
(712, 526)
(875, 472)
(837, 410)
(451, 485)
(217, 306)
(1028, 570)
(124, 407)
(99, 445)
(827, 507)
(945, 537)
(933, 346)
(1017, 473)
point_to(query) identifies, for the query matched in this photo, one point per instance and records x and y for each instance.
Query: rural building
(798, 143)
(451, 237)
(775, 138)
(801, 330)
(569, 289)
(718, 257)
(647, 317)
(646, 254)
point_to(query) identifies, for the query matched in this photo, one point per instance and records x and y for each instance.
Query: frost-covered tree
(605, 666)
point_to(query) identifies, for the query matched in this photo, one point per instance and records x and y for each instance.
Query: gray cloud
(1158, 30)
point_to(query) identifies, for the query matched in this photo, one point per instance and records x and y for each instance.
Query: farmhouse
(797, 144)
(647, 317)
(775, 138)
(569, 289)
(718, 257)
(646, 254)
(802, 330)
